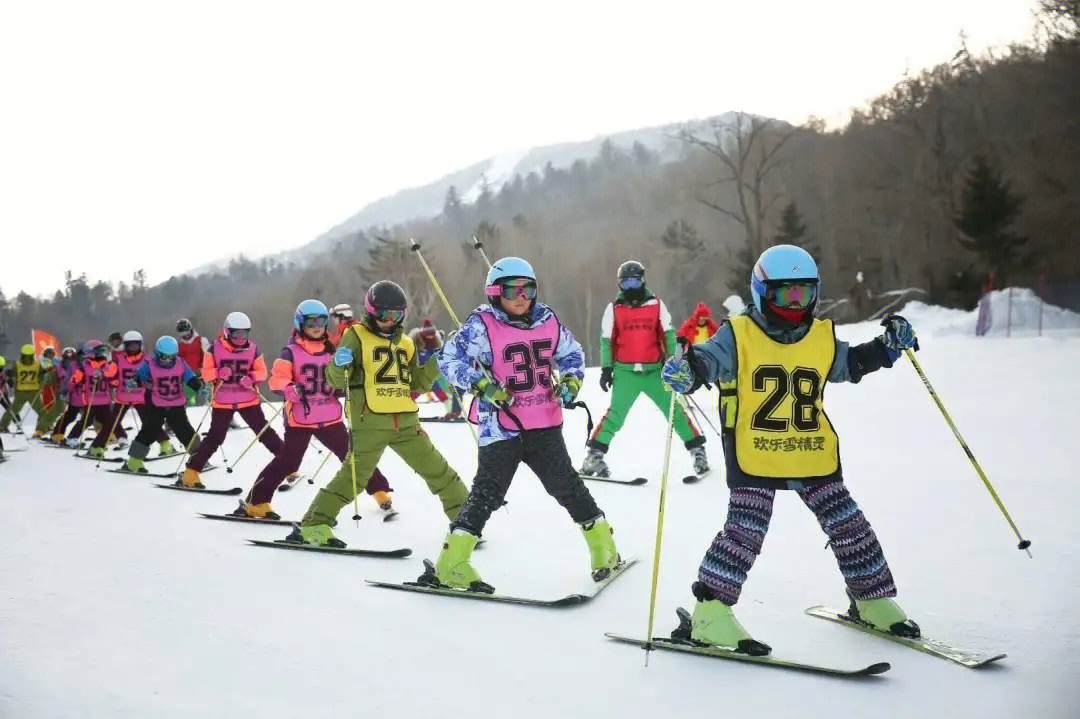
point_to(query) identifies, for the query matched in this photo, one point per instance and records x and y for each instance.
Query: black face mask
(635, 295)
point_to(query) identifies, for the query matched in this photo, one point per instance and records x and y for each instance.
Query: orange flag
(43, 339)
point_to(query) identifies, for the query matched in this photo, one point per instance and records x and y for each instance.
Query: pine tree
(988, 209)
(793, 231)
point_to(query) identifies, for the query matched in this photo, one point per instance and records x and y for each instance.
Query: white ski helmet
(237, 321)
(342, 310)
(132, 336)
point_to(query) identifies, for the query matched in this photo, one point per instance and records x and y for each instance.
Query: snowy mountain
(118, 601)
(427, 201)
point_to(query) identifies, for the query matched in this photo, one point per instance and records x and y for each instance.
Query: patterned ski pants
(732, 554)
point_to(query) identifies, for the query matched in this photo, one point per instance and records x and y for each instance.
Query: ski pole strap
(589, 423)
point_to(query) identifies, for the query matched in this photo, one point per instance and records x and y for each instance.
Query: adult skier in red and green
(636, 337)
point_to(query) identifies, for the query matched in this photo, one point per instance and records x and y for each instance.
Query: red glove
(246, 382)
(224, 374)
(291, 395)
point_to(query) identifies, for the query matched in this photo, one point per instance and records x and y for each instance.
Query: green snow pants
(22, 398)
(49, 414)
(626, 386)
(410, 443)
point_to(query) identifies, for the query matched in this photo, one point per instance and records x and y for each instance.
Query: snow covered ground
(117, 601)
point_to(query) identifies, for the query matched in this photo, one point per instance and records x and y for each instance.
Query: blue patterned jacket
(469, 349)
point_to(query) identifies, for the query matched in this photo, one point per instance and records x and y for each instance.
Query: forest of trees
(964, 170)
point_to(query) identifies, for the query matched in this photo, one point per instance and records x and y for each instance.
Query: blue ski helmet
(309, 308)
(507, 268)
(166, 349)
(780, 264)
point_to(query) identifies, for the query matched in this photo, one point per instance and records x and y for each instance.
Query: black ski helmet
(631, 268)
(183, 326)
(383, 296)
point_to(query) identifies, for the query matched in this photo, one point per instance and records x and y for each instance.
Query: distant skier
(699, 326)
(636, 336)
(165, 375)
(429, 340)
(520, 344)
(192, 348)
(27, 374)
(128, 361)
(777, 436)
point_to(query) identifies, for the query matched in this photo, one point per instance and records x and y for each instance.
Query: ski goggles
(312, 321)
(631, 283)
(524, 289)
(132, 348)
(389, 315)
(237, 334)
(792, 294)
(166, 360)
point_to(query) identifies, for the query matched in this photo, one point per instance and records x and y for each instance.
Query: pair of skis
(688, 479)
(926, 645)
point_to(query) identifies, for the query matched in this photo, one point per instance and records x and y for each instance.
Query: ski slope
(117, 601)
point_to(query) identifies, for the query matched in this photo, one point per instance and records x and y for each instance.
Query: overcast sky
(165, 135)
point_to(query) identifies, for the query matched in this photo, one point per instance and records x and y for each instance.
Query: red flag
(43, 339)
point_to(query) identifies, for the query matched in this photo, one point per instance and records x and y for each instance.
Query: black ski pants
(544, 451)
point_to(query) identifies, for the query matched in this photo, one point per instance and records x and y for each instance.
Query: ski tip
(879, 668)
(638, 480)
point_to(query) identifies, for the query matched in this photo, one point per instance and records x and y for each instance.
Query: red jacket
(191, 351)
(692, 332)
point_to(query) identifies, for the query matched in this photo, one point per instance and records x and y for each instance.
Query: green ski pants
(626, 386)
(410, 443)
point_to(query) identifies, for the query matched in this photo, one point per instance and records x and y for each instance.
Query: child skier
(236, 365)
(27, 373)
(517, 340)
(51, 406)
(377, 363)
(164, 375)
(68, 363)
(777, 436)
(128, 361)
(312, 409)
(636, 337)
(92, 379)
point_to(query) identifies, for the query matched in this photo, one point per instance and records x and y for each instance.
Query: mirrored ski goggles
(524, 289)
(238, 334)
(166, 360)
(312, 321)
(631, 283)
(389, 315)
(792, 294)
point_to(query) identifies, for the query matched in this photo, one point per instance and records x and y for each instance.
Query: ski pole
(352, 459)
(194, 436)
(415, 247)
(1024, 543)
(479, 247)
(701, 413)
(255, 439)
(311, 479)
(660, 525)
(89, 404)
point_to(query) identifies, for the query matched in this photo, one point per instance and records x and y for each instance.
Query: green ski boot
(166, 448)
(319, 534)
(136, 465)
(885, 615)
(96, 452)
(602, 553)
(453, 568)
(714, 624)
